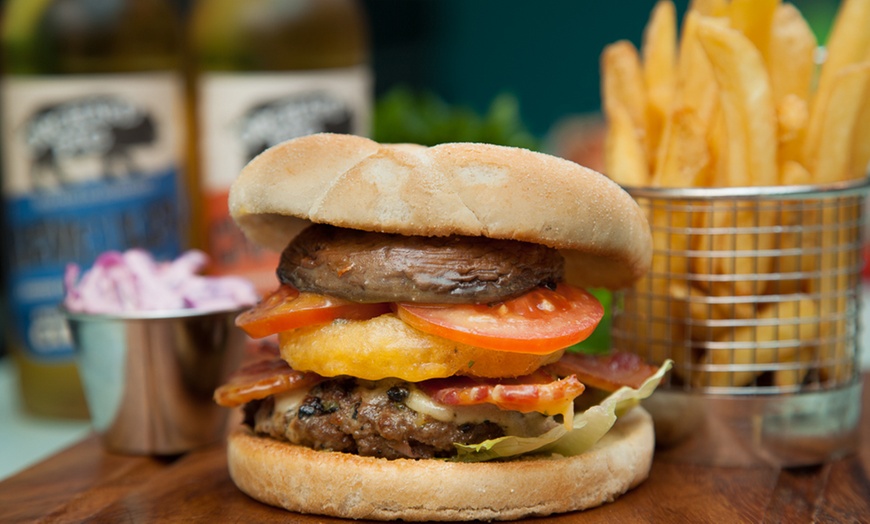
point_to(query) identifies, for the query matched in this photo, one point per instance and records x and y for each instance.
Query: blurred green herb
(403, 115)
(599, 341)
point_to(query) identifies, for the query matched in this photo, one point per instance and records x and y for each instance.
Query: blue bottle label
(90, 165)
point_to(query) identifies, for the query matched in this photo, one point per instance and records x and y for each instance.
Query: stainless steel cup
(149, 377)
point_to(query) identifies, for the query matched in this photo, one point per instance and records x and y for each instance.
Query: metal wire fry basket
(755, 294)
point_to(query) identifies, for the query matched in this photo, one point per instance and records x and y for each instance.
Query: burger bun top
(456, 188)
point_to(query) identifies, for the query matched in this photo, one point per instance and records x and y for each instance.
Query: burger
(417, 363)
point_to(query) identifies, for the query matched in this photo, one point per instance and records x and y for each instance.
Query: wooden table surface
(84, 483)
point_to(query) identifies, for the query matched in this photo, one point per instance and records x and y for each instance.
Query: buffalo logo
(270, 123)
(88, 138)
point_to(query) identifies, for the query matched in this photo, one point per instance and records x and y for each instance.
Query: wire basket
(752, 290)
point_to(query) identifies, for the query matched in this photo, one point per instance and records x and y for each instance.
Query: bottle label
(241, 115)
(90, 165)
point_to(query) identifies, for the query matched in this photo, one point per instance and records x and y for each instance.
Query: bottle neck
(48, 37)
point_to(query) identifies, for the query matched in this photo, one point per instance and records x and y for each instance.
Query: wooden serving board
(85, 483)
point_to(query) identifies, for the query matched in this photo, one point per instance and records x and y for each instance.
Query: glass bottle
(93, 142)
(264, 71)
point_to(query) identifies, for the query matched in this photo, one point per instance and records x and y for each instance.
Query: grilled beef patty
(338, 415)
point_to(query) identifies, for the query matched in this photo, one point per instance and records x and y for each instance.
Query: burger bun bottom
(343, 485)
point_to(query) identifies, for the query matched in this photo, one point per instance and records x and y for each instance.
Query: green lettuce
(587, 429)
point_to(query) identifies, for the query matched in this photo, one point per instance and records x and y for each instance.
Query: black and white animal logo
(99, 132)
(270, 123)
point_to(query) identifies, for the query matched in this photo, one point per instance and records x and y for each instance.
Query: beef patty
(338, 415)
(364, 266)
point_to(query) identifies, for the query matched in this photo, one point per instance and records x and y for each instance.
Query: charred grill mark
(315, 406)
(398, 393)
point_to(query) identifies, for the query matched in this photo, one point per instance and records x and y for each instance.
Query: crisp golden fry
(753, 18)
(860, 162)
(717, 137)
(795, 174)
(696, 87)
(622, 80)
(625, 158)
(791, 54)
(792, 117)
(625, 107)
(747, 104)
(659, 50)
(831, 160)
(684, 154)
(709, 7)
(848, 44)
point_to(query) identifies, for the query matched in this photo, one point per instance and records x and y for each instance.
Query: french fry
(795, 174)
(831, 159)
(791, 54)
(792, 117)
(791, 62)
(848, 44)
(622, 82)
(753, 18)
(696, 87)
(747, 103)
(659, 52)
(717, 137)
(625, 108)
(860, 162)
(776, 335)
(709, 7)
(625, 157)
(684, 155)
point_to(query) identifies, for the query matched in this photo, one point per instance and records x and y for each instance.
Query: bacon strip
(537, 392)
(608, 372)
(260, 379)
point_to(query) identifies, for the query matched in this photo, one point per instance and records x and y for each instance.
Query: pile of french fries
(738, 94)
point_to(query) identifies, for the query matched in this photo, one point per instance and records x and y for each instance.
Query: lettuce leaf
(587, 429)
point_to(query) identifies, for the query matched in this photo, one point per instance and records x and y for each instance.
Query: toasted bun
(349, 486)
(460, 188)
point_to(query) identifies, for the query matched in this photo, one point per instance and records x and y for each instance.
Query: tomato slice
(288, 308)
(538, 322)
